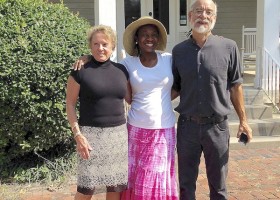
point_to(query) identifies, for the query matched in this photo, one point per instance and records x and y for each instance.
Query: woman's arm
(128, 96)
(72, 93)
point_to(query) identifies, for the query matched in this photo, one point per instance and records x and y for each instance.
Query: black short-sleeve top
(103, 86)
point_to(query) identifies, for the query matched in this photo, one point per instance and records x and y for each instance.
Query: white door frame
(146, 7)
(120, 29)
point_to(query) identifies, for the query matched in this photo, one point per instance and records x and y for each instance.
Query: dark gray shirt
(203, 76)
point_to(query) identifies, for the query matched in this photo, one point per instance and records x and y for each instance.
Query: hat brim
(129, 34)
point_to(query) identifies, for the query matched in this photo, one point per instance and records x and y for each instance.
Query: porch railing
(249, 46)
(271, 76)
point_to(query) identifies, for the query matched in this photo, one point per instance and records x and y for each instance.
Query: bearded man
(207, 76)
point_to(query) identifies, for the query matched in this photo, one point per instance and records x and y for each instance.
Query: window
(183, 13)
(132, 11)
(161, 12)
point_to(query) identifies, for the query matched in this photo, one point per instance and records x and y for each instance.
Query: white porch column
(268, 28)
(260, 44)
(105, 13)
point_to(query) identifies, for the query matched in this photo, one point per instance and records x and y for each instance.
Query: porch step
(265, 127)
(261, 117)
(253, 96)
(254, 112)
(258, 142)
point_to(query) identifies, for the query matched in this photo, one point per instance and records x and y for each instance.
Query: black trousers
(213, 140)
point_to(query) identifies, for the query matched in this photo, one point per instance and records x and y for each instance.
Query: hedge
(39, 43)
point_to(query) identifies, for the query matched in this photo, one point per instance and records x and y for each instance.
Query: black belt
(203, 119)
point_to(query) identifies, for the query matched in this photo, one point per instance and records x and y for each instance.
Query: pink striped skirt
(151, 164)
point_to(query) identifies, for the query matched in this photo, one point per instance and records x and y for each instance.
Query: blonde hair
(106, 30)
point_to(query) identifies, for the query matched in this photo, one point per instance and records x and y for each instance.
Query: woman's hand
(83, 147)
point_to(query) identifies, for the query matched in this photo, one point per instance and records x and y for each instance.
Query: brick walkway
(254, 174)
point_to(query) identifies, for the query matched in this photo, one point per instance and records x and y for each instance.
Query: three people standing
(207, 77)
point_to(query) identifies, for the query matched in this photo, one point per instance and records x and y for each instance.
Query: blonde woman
(100, 132)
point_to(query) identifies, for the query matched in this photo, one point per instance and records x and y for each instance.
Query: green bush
(39, 41)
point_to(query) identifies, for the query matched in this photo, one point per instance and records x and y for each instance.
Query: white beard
(202, 28)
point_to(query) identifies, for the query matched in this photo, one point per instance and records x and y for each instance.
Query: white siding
(85, 8)
(232, 15)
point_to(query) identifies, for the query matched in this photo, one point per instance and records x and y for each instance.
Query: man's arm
(176, 87)
(236, 96)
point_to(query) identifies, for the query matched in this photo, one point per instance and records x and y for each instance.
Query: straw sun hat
(129, 33)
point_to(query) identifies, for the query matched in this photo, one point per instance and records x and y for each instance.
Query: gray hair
(215, 6)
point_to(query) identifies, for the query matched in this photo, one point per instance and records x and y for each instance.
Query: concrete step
(258, 142)
(254, 112)
(250, 68)
(248, 76)
(253, 96)
(266, 127)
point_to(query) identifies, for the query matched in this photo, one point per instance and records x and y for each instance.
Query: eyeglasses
(199, 12)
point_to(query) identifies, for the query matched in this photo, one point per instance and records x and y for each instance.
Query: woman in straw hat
(151, 120)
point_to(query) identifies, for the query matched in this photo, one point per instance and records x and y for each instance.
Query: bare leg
(80, 196)
(113, 196)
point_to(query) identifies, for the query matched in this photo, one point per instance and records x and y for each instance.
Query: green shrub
(39, 42)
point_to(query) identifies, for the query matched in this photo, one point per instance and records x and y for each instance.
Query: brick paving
(254, 174)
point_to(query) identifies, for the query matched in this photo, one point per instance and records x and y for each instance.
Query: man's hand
(81, 62)
(245, 128)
